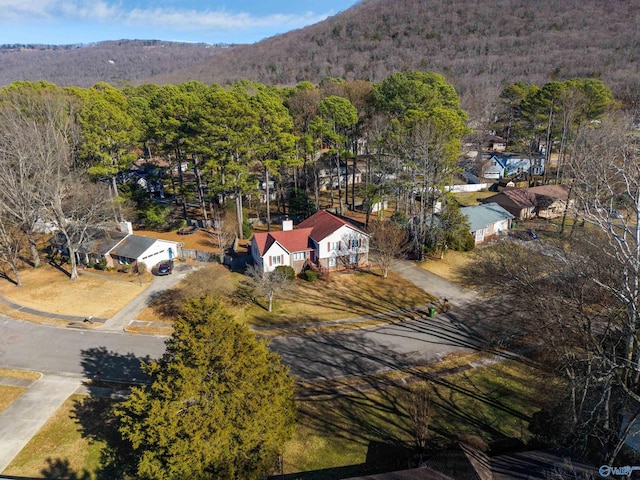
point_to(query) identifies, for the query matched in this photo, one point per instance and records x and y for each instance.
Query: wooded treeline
(226, 145)
(480, 46)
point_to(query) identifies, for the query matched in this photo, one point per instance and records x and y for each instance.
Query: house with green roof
(487, 220)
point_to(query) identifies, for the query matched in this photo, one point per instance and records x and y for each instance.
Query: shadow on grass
(345, 295)
(56, 469)
(112, 375)
(59, 267)
(362, 409)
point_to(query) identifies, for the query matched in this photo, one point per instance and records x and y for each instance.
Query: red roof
(296, 240)
(324, 224)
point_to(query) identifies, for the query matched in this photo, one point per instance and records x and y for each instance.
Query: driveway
(434, 284)
(124, 317)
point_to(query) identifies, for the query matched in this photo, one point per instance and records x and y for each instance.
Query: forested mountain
(476, 44)
(479, 45)
(113, 62)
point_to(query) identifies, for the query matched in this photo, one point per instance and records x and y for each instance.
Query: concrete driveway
(124, 317)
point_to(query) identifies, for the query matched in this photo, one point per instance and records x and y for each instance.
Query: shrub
(101, 265)
(125, 268)
(141, 267)
(91, 264)
(310, 276)
(288, 271)
(246, 229)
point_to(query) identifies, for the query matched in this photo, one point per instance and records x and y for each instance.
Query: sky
(62, 22)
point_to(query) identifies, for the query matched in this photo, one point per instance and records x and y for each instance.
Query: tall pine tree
(220, 405)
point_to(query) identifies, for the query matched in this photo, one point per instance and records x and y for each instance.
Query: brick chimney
(126, 227)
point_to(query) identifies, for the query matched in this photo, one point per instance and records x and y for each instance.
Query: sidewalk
(29, 412)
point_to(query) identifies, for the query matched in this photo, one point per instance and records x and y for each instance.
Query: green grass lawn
(469, 199)
(485, 404)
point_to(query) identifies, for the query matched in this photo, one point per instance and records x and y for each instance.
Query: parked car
(525, 235)
(164, 268)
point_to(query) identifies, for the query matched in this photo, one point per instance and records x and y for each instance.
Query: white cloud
(171, 18)
(196, 20)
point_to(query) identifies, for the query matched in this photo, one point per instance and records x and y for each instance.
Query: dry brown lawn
(8, 394)
(50, 290)
(200, 240)
(58, 442)
(450, 266)
(25, 374)
(340, 296)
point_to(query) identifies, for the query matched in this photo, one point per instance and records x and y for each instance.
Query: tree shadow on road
(111, 375)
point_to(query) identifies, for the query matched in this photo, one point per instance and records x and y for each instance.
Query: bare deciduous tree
(387, 243)
(268, 284)
(11, 242)
(79, 209)
(420, 409)
(38, 134)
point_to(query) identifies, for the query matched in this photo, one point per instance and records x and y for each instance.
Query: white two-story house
(322, 239)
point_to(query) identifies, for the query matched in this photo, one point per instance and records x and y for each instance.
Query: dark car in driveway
(164, 268)
(525, 235)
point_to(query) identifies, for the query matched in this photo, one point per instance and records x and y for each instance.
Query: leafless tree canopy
(387, 243)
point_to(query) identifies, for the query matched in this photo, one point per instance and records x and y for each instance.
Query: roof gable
(324, 224)
(482, 215)
(133, 246)
(296, 240)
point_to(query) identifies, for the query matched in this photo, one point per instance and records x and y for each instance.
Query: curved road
(66, 355)
(112, 356)
(115, 355)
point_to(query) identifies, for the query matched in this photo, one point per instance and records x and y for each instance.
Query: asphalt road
(111, 354)
(116, 356)
(48, 349)
(365, 351)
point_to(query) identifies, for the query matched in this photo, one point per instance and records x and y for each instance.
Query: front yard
(336, 434)
(339, 296)
(101, 294)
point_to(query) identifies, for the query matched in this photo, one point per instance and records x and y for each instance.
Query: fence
(200, 256)
(467, 188)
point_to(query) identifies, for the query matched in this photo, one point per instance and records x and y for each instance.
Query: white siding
(272, 255)
(158, 252)
(335, 244)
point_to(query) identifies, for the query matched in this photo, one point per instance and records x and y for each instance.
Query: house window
(124, 260)
(355, 242)
(332, 262)
(335, 246)
(298, 256)
(276, 260)
(353, 259)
